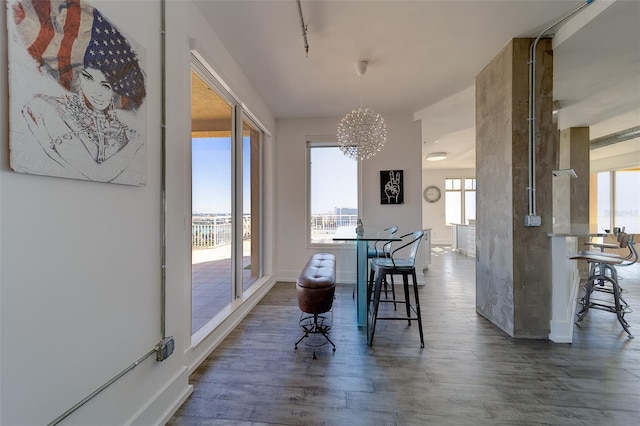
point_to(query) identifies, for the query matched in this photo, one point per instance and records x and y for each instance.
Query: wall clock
(431, 194)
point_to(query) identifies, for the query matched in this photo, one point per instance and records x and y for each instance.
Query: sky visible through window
(626, 212)
(334, 180)
(211, 175)
(627, 209)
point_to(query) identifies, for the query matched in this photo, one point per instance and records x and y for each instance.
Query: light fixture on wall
(565, 172)
(362, 132)
(437, 156)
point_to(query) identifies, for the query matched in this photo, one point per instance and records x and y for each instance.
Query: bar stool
(377, 251)
(603, 246)
(383, 267)
(624, 241)
(599, 266)
(385, 250)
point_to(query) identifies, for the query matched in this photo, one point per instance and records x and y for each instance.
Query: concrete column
(571, 196)
(513, 270)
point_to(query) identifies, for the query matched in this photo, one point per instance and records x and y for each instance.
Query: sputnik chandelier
(362, 132)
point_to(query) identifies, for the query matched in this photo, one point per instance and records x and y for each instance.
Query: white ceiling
(423, 58)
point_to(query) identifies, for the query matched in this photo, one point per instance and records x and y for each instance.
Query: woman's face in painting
(96, 88)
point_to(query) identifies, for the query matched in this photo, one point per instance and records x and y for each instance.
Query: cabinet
(464, 239)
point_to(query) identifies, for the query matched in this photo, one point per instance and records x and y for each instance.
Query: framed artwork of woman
(77, 94)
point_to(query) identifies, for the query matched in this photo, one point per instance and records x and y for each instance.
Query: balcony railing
(215, 231)
(323, 226)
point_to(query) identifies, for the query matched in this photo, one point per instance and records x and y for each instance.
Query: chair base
(605, 284)
(412, 311)
(386, 287)
(315, 324)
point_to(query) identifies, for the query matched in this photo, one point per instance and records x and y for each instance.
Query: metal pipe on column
(532, 219)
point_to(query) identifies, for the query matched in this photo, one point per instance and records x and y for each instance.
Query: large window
(603, 201)
(333, 191)
(617, 201)
(460, 201)
(225, 201)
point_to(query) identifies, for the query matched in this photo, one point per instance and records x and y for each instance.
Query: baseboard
(561, 331)
(166, 402)
(287, 276)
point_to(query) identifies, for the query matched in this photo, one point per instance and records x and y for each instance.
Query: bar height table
(349, 234)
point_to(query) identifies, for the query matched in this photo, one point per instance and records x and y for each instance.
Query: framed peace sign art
(391, 187)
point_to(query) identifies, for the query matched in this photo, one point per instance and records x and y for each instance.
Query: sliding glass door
(225, 201)
(251, 265)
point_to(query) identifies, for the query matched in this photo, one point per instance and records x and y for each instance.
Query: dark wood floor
(469, 373)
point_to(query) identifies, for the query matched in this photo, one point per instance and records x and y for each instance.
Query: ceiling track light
(304, 30)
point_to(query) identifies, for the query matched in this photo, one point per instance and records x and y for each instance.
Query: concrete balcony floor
(211, 281)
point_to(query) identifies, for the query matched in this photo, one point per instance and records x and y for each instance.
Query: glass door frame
(238, 114)
(241, 116)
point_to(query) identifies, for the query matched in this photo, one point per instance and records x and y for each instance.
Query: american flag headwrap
(65, 35)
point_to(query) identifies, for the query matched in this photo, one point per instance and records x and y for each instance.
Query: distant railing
(215, 231)
(325, 225)
(328, 223)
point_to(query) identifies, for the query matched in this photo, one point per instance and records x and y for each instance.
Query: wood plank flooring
(469, 373)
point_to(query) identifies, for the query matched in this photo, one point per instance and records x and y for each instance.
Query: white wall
(80, 262)
(402, 152)
(192, 32)
(433, 214)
